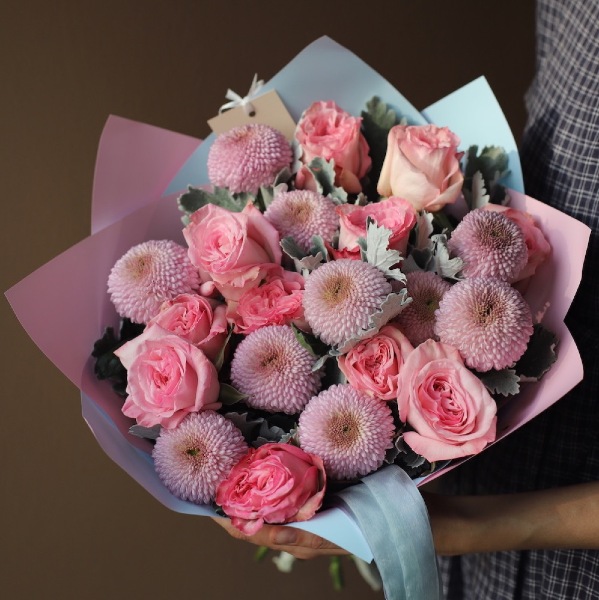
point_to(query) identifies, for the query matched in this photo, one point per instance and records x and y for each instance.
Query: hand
(299, 543)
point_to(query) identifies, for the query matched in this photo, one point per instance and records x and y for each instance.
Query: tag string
(245, 102)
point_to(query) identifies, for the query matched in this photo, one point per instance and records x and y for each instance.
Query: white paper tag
(268, 110)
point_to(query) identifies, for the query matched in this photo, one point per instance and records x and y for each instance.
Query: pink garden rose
(448, 407)
(354, 254)
(396, 214)
(278, 301)
(422, 164)
(276, 483)
(325, 130)
(192, 317)
(231, 248)
(167, 378)
(373, 366)
(537, 245)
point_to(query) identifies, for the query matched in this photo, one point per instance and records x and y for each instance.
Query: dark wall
(73, 525)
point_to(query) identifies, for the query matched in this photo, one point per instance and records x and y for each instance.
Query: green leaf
(261, 553)
(220, 358)
(229, 395)
(375, 250)
(336, 573)
(539, 356)
(301, 338)
(504, 382)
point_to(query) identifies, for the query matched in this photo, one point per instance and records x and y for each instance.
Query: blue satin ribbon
(393, 518)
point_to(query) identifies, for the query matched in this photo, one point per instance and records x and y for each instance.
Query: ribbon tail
(393, 518)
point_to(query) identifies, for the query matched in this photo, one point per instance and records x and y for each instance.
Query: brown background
(73, 525)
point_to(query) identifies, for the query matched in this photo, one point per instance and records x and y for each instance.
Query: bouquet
(363, 296)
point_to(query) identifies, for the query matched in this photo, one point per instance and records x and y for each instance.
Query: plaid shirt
(560, 156)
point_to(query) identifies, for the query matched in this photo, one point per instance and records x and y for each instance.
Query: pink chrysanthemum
(341, 296)
(349, 430)
(490, 244)
(487, 320)
(195, 457)
(303, 214)
(147, 275)
(274, 370)
(247, 157)
(417, 320)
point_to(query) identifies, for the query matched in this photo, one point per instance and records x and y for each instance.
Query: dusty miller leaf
(378, 113)
(196, 198)
(148, 433)
(320, 363)
(302, 261)
(424, 230)
(375, 249)
(504, 382)
(324, 175)
(442, 264)
(318, 246)
(539, 356)
(390, 308)
(418, 260)
(479, 196)
(492, 163)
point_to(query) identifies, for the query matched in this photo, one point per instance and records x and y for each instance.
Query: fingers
(301, 544)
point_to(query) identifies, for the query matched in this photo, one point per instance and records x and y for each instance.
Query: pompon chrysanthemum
(247, 157)
(195, 457)
(147, 275)
(303, 214)
(340, 298)
(417, 320)
(348, 429)
(490, 244)
(274, 370)
(487, 320)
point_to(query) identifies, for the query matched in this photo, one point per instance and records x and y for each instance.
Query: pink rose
(278, 301)
(537, 245)
(422, 164)
(192, 317)
(167, 378)
(276, 483)
(231, 248)
(396, 214)
(355, 254)
(325, 130)
(449, 408)
(374, 365)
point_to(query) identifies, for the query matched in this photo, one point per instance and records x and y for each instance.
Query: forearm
(566, 517)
